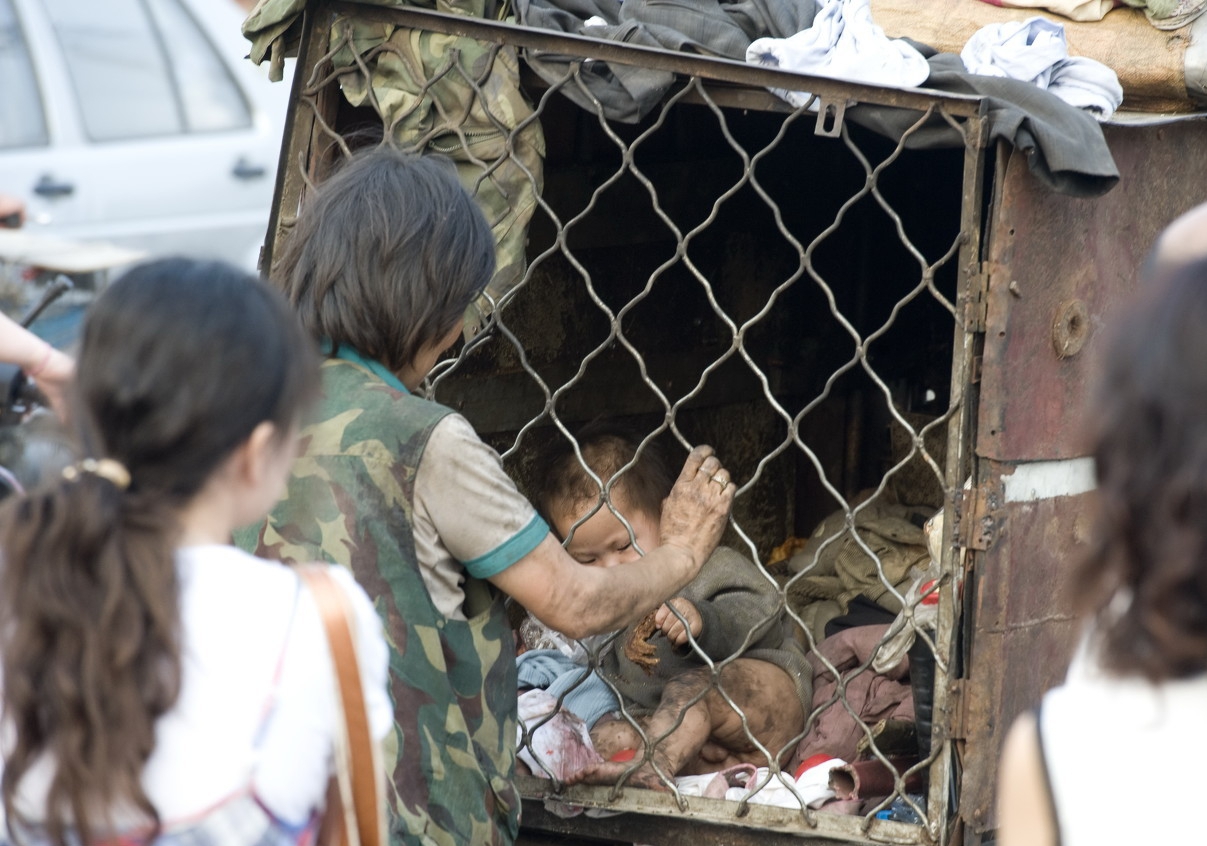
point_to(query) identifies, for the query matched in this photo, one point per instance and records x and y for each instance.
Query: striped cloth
(239, 821)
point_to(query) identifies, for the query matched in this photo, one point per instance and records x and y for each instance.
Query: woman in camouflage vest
(383, 261)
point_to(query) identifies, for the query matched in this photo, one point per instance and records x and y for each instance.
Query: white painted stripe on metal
(1048, 479)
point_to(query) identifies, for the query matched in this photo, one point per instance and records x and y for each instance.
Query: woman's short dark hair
(386, 255)
(1147, 566)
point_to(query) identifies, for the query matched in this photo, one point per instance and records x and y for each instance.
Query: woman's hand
(695, 513)
(579, 601)
(672, 626)
(12, 212)
(51, 369)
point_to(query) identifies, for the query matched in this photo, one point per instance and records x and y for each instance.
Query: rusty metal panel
(1021, 598)
(1057, 266)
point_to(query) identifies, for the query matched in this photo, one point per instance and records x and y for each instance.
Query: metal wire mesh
(777, 282)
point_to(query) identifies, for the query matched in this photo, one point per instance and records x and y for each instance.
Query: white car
(138, 123)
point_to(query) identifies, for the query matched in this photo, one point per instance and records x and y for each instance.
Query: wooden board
(1150, 62)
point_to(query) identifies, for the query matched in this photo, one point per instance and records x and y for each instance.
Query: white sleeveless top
(1125, 759)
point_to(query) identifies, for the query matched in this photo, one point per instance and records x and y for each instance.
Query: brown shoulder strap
(359, 779)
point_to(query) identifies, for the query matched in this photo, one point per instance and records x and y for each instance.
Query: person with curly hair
(1128, 718)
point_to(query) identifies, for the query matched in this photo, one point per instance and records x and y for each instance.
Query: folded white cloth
(1088, 85)
(1035, 50)
(1025, 50)
(812, 786)
(843, 43)
(1078, 10)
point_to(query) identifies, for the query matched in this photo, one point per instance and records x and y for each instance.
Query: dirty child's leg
(712, 735)
(612, 734)
(674, 747)
(768, 698)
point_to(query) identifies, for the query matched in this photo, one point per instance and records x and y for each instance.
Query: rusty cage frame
(725, 91)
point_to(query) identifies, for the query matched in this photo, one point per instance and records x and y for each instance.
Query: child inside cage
(729, 617)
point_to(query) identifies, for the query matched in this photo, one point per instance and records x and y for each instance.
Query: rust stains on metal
(980, 514)
(1023, 633)
(1064, 251)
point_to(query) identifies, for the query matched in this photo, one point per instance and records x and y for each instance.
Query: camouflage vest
(453, 682)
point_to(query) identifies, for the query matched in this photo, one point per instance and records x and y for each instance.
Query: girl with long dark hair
(159, 684)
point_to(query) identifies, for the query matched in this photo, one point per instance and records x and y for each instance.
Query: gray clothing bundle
(734, 599)
(626, 93)
(1064, 146)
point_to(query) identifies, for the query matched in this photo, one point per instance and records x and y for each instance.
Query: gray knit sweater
(734, 599)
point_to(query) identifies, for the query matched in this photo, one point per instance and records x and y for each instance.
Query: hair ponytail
(92, 655)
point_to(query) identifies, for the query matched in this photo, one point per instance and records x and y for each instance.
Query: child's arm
(734, 599)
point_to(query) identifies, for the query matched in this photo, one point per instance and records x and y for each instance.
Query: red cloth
(872, 696)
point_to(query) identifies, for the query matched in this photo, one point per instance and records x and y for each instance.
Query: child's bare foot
(612, 734)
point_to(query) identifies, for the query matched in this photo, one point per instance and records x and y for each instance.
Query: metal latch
(966, 710)
(976, 314)
(830, 114)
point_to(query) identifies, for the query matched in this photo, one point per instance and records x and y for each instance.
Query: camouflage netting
(439, 93)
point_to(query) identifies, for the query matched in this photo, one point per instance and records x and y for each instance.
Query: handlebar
(57, 288)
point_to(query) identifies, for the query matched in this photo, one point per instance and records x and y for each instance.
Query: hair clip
(109, 469)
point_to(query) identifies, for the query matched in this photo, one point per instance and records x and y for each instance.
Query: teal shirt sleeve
(510, 551)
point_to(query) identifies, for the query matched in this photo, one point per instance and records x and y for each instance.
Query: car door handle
(246, 170)
(48, 186)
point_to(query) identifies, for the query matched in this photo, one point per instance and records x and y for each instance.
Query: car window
(118, 68)
(212, 100)
(22, 121)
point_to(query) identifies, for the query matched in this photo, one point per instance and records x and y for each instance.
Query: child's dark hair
(1149, 443)
(179, 362)
(386, 255)
(562, 485)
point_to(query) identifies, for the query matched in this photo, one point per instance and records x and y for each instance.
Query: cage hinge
(976, 306)
(957, 709)
(980, 515)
